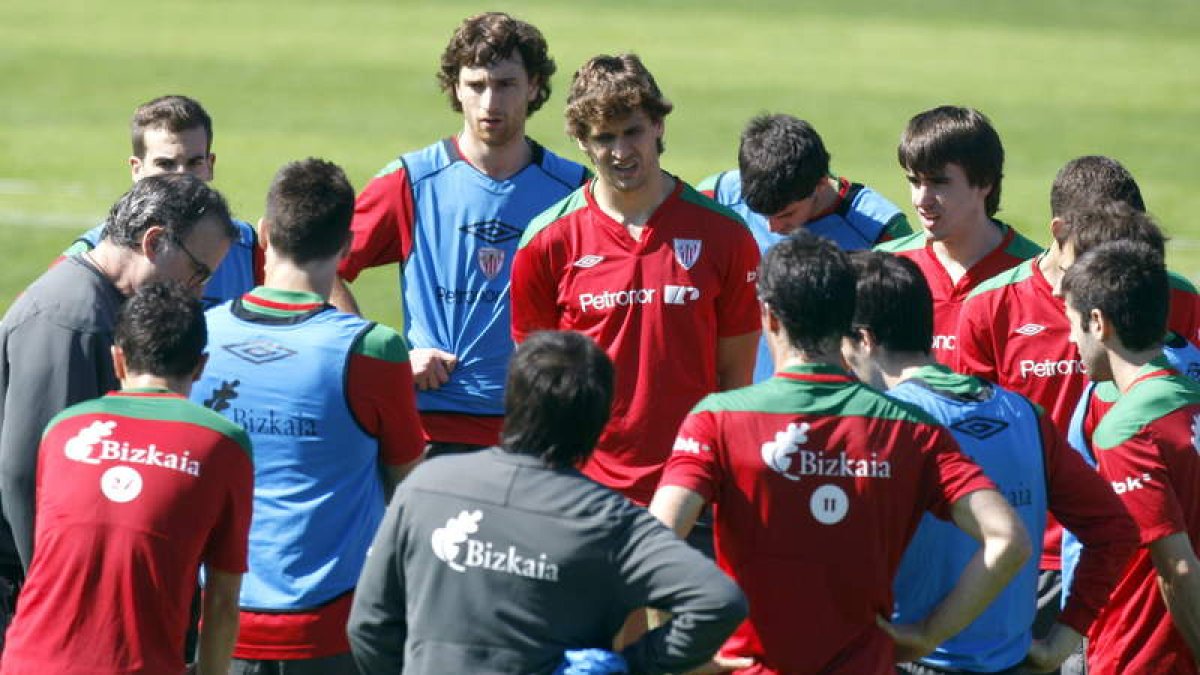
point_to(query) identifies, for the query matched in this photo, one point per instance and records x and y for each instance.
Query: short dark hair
(487, 38)
(808, 284)
(174, 201)
(893, 301)
(1090, 178)
(954, 134)
(557, 398)
(309, 208)
(174, 113)
(161, 330)
(611, 87)
(1127, 282)
(781, 159)
(1089, 224)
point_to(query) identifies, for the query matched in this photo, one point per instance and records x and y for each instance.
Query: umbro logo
(1030, 329)
(259, 351)
(589, 261)
(492, 231)
(979, 427)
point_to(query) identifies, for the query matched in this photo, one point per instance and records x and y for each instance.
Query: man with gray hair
(56, 337)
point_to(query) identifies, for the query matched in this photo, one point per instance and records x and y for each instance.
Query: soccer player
(452, 213)
(174, 134)
(54, 340)
(657, 274)
(1148, 447)
(529, 558)
(819, 482)
(136, 490)
(783, 183)
(1012, 329)
(954, 162)
(327, 399)
(1018, 447)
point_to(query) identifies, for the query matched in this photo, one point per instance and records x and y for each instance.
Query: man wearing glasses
(55, 339)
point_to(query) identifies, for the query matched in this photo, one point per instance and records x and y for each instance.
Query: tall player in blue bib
(452, 215)
(1018, 448)
(327, 398)
(783, 183)
(173, 134)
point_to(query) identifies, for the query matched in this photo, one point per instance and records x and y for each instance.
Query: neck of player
(960, 252)
(1126, 364)
(175, 385)
(633, 208)
(499, 162)
(315, 276)
(896, 367)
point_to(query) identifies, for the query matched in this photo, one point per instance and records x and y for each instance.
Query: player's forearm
(219, 627)
(1004, 548)
(735, 361)
(341, 297)
(1181, 592)
(988, 572)
(676, 507)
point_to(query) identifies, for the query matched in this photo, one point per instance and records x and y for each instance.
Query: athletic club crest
(491, 260)
(687, 251)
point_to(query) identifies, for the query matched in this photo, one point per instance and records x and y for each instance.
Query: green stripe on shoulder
(1145, 403)
(162, 409)
(1021, 246)
(780, 395)
(1006, 278)
(912, 242)
(1107, 391)
(943, 379)
(692, 196)
(77, 247)
(383, 343)
(897, 227)
(1180, 283)
(391, 167)
(565, 206)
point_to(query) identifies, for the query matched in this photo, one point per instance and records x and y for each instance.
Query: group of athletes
(872, 449)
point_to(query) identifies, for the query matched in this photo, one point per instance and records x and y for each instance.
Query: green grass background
(352, 81)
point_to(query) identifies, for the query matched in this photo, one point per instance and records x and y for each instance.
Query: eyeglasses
(201, 273)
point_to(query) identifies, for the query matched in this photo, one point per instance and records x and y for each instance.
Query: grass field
(352, 81)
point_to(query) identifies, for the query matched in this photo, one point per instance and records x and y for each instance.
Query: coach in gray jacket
(498, 561)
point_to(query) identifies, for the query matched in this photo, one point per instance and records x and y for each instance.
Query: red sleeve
(382, 225)
(384, 401)
(1138, 476)
(534, 290)
(226, 548)
(1085, 504)
(1096, 410)
(693, 464)
(258, 258)
(950, 475)
(1184, 318)
(975, 354)
(737, 305)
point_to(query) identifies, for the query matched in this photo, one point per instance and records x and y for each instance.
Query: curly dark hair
(486, 38)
